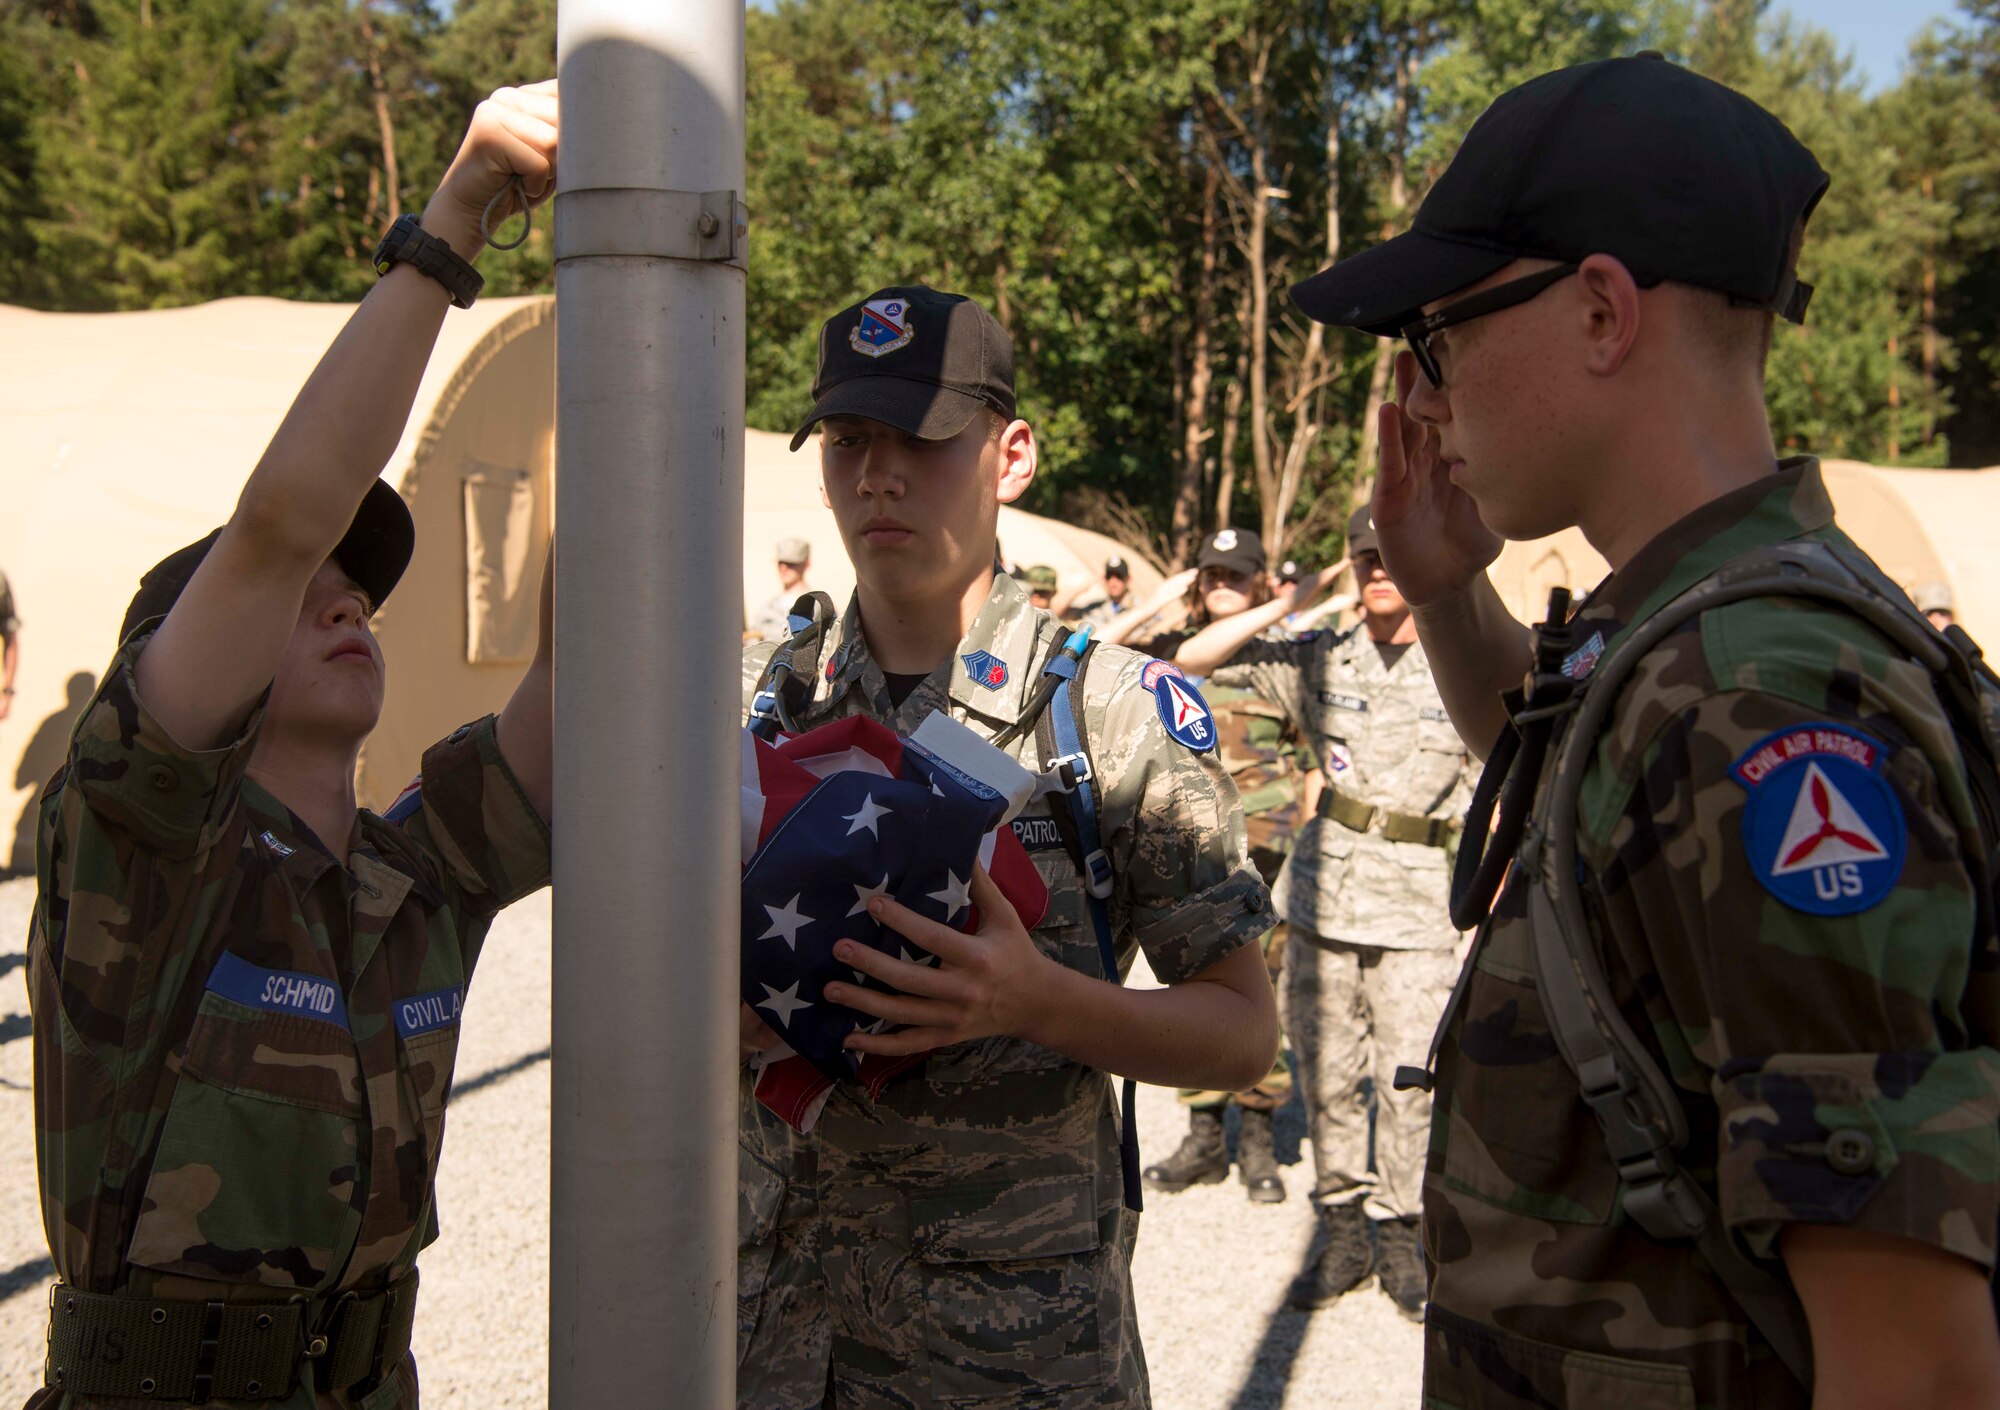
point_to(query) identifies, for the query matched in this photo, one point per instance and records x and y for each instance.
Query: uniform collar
(1789, 504)
(376, 857)
(1004, 635)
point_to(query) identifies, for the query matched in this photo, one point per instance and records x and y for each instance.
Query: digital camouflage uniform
(1370, 962)
(962, 1242)
(243, 1048)
(1258, 746)
(769, 622)
(1781, 1029)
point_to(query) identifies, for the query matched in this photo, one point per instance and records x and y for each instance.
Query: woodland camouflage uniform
(1836, 1068)
(962, 1241)
(243, 1046)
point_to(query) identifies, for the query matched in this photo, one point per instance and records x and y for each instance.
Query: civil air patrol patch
(1184, 713)
(984, 668)
(1822, 828)
(1339, 758)
(885, 326)
(1580, 662)
(407, 802)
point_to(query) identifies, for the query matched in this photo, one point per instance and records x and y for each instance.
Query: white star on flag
(783, 1003)
(786, 922)
(864, 894)
(955, 896)
(866, 816)
(903, 951)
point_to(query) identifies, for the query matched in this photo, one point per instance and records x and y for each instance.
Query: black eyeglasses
(1514, 291)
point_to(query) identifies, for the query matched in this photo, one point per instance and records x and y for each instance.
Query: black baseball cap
(374, 552)
(1676, 175)
(1361, 532)
(1116, 567)
(1239, 550)
(914, 358)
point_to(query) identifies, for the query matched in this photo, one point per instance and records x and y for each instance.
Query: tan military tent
(127, 435)
(1920, 525)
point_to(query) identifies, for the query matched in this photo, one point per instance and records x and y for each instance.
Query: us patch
(984, 668)
(885, 326)
(1822, 828)
(1185, 713)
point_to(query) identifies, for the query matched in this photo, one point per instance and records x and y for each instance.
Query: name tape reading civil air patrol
(1822, 828)
(425, 1013)
(277, 991)
(1037, 834)
(1182, 710)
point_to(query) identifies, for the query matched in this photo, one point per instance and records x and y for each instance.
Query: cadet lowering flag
(832, 818)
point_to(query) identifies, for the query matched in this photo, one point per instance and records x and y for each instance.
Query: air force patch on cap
(1822, 828)
(885, 326)
(984, 668)
(1182, 710)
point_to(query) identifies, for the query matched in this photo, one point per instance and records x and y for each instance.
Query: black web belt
(116, 1344)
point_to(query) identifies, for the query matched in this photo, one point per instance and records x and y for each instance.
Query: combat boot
(1201, 1160)
(1256, 1162)
(1399, 1262)
(1345, 1258)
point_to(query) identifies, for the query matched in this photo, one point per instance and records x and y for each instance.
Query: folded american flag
(832, 818)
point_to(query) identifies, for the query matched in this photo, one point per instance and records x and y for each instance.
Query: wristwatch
(409, 243)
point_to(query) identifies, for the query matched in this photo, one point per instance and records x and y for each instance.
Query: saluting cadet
(1365, 892)
(246, 990)
(965, 1238)
(1715, 1105)
(1259, 747)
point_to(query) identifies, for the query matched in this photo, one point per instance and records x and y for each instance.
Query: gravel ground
(1211, 1268)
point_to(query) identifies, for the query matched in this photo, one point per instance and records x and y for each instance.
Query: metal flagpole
(650, 242)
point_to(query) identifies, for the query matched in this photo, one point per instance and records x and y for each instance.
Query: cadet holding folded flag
(246, 991)
(964, 1236)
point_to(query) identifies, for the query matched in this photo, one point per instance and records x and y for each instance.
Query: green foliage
(1131, 185)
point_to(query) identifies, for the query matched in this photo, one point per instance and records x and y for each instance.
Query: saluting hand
(513, 133)
(1433, 541)
(985, 984)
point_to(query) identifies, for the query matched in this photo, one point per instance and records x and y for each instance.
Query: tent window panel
(501, 586)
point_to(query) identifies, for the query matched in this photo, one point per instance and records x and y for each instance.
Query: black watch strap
(409, 243)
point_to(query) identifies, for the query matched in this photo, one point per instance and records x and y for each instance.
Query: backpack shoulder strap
(1065, 748)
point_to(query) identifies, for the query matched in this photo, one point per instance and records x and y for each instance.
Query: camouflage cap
(374, 552)
(794, 551)
(1040, 578)
(1933, 596)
